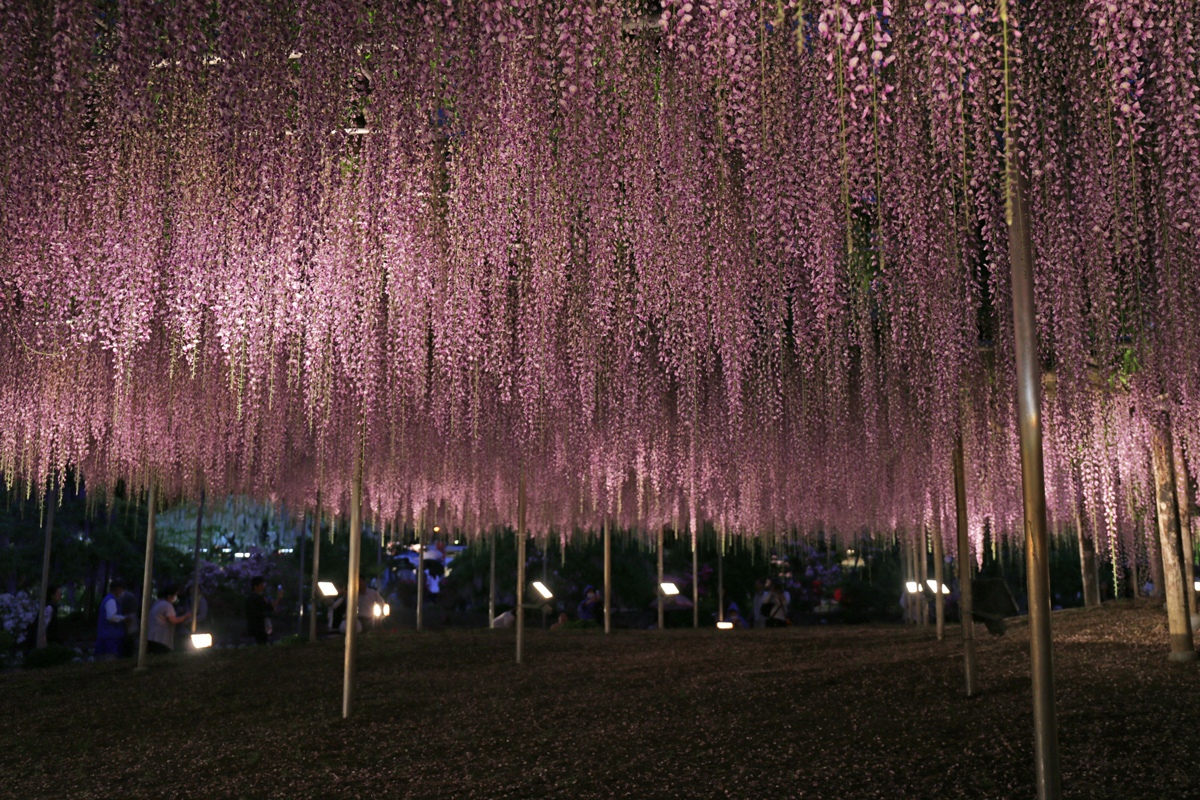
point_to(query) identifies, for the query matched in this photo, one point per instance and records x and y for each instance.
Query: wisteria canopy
(742, 261)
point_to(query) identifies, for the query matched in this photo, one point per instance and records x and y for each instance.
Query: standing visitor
(50, 614)
(259, 610)
(110, 629)
(592, 602)
(775, 608)
(760, 596)
(161, 634)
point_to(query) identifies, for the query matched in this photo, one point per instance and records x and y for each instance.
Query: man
(110, 630)
(591, 605)
(259, 610)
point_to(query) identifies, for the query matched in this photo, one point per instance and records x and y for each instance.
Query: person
(735, 616)
(562, 622)
(161, 632)
(368, 598)
(110, 629)
(774, 608)
(590, 605)
(259, 610)
(760, 595)
(50, 614)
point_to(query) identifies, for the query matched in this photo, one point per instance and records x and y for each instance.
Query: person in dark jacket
(259, 610)
(110, 630)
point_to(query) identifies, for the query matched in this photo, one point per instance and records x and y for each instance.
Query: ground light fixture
(327, 588)
(725, 625)
(1196, 586)
(669, 589)
(913, 587)
(542, 590)
(932, 584)
(381, 610)
(201, 640)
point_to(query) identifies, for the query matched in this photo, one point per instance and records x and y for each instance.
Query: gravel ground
(814, 712)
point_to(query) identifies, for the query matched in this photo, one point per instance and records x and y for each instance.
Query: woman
(50, 614)
(163, 621)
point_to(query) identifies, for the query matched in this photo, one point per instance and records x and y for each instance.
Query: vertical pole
(147, 582)
(661, 611)
(1179, 624)
(351, 665)
(939, 577)
(1029, 415)
(910, 604)
(51, 500)
(545, 567)
(196, 559)
(492, 579)
(1183, 492)
(695, 577)
(426, 522)
(316, 567)
(607, 576)
(922, 574)
(300, 573)
(520, 564)
(965, 567)
(721, 574)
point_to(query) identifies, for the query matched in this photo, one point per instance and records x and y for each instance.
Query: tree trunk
(1178, 622)
(1183, 493)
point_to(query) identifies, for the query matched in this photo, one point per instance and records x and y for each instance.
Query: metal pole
(545, 566)
(520, 564)
(300, 579)
(492, 579)
(920, 549)
(607, 576)
(196, 559)
(695, 577)
(1029, 415)
(350, 667)
(938, 578)
(147, 583)
(661, 610)
(41, 617)
(965, 569)
(426, 521)
(721, 574)
(316, 537)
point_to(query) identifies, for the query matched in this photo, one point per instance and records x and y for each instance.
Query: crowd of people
(118, 625)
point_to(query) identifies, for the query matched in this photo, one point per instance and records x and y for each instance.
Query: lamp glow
(1196, 586)
(376, 610)
(327, 588)
(542, 590)
(669, 588)
(725, 625)
(437, 529)
(387, 610)
(201, 640)
(932, 584)
(913, 587)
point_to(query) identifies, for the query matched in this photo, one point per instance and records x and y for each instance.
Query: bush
(8, 642)
(51, 655)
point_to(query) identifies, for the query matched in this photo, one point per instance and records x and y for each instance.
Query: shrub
(51, 655)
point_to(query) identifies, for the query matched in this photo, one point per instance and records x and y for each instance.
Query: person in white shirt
(163, 620)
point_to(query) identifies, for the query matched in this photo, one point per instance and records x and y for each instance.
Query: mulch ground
(813, 712)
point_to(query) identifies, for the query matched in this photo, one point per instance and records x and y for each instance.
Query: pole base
(1187, 655)
(147, 669)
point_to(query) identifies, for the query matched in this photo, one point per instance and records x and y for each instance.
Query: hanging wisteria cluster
(732, 260)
